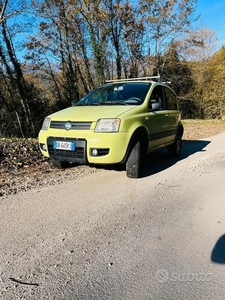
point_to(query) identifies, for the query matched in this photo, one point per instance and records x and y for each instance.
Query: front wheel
(175, 148)
(134, 161)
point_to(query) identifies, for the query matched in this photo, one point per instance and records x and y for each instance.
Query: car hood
(90, 113)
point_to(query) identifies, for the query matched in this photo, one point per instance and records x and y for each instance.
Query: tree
(214, 91)
(50, 49)
(116, 11)
(76, 44)
(198, 47)
(95, 17)
(17, 92)
(176, 71)
(165, 21)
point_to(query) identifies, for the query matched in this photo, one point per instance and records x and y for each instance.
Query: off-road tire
(60, 164)
(175, 148)
(134, 161)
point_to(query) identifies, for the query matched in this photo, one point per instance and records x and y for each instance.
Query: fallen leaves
(22, 167)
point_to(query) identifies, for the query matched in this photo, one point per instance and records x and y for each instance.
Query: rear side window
(171, 101)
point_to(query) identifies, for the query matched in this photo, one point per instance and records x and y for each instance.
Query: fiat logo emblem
(68, 125)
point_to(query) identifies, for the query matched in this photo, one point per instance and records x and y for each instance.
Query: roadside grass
(213, 122)
(197, 129)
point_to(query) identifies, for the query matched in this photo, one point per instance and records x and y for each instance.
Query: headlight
(46, 124)
(107, 125)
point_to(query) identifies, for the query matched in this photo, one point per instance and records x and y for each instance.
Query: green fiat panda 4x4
(116, 123)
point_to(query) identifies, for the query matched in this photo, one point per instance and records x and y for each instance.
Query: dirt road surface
(104, 236)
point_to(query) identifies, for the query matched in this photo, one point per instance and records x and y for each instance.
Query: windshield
(117, 94)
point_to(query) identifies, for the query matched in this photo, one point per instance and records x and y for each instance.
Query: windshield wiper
(88, 104)
(120, 102)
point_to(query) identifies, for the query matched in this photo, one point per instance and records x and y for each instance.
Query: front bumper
(109, 148)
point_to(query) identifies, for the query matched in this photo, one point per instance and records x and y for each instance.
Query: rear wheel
(134, 161)
(175, 148)
(60, 164)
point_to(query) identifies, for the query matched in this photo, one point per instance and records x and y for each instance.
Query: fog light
(43, 147)
(94, 152)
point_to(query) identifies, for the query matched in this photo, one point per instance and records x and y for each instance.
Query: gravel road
(104, 236)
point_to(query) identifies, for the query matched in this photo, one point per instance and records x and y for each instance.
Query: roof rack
(154, 78)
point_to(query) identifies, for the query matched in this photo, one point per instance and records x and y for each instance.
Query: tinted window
(170, 99)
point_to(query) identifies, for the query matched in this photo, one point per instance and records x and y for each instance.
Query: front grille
(74, 125)
(79, 155)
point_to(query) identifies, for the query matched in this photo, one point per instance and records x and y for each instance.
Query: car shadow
(218, 252)
(159, 160)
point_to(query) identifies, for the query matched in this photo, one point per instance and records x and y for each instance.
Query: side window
(171, 101)
(157, 97)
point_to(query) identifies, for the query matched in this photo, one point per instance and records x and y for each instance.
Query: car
(117, 123)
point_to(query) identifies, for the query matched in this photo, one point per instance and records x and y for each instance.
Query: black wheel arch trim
(140, 134)
(180, 131)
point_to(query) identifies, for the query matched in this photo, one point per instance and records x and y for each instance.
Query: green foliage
(209, 78)
(172, 69)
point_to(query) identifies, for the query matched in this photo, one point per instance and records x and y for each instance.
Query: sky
(213, 17)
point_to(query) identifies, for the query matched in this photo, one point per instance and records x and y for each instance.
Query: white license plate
(61, 145)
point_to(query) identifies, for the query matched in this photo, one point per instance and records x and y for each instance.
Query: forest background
(53, 52)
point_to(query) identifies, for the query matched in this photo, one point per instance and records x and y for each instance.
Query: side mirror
(156, 105)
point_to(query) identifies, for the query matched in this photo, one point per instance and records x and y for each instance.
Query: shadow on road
(159, 160)
(218, 253)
